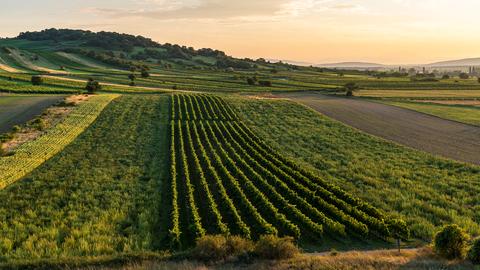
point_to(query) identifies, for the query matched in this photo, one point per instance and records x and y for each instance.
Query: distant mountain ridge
(351, 65)
(457, 63)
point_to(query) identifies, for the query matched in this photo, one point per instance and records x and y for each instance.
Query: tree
(463, 76)
(251, 81)
(37, 80)
(399, 230)
(445, 77)
(132, 78)
(451, 242)
(145, 73)
(93, 86)
(265, 83)
(350, 88)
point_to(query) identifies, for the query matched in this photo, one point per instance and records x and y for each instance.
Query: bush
(445, 77)
(145, 74)
(276, 248)
(251, 81)
(265, 83)
(463, 76)
(451, 242)
(474, 253)
(37, 80)
(211, 248)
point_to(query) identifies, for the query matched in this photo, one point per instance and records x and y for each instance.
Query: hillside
(119, 50)
(457, 63)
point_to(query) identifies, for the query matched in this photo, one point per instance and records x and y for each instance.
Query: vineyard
(32, 154)
(226, 180)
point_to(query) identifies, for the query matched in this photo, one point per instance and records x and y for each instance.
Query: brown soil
(51, 116)
(417, 130)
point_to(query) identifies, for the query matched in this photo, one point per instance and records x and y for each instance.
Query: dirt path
(424, 132)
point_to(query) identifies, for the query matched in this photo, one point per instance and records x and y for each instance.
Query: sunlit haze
(313, 31)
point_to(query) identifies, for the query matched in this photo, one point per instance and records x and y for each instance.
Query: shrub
(16, 128)
(174, 87)
(463, 76)
(37, 80)
(238, 246)
(93, 86)
(250, 81)
(265, 83)
(474, 253)
(445, 77)
(276, 248)
(212, 248)
(451, 242)
(145, 74)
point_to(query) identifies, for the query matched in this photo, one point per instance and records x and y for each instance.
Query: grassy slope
(425, 190)
(460, 113)
(100, 195)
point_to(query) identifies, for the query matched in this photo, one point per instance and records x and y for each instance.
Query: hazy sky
(318, 31)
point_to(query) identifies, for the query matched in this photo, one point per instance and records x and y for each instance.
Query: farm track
(16, 113)
(428, 133)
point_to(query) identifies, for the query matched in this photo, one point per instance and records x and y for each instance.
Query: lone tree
(93, 86)
(132, 78)
(399, 230)
(37, 80)
(251, 81)
(350, 88)
(464, 76)
(145, 73)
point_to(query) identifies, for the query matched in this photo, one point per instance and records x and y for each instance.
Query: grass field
(461, 113)
(426, 191)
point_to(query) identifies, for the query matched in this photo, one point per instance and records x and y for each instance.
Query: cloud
(244, 10)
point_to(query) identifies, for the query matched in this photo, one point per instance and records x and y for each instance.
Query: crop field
(251, 189)
(180, 143)
(15, 110)
(32, 154)
(417, 130)
(98, 196)
(424, 190)
(456, 112)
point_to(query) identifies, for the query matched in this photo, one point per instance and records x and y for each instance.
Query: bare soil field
(431, 134)
(15, 110)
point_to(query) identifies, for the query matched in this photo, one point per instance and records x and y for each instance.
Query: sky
(313, 31)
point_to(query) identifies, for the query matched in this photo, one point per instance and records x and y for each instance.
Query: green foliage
(274, 248)
(474, 252)
(101, 195)
(451, 242)
(93, 86)
(406, 183)
(463, 76)
(37, 80)
(350, 88)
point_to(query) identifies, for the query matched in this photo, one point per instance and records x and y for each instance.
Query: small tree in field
(399, 230)
(93, 86)
(350, 88)
(145, 73)
(464, 76)
(250, 81)
(132, 78)
(451, 242)
(37, 80)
